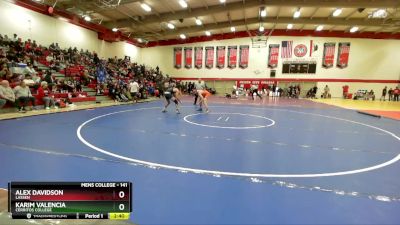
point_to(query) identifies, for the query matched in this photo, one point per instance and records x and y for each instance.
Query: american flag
(287, 49)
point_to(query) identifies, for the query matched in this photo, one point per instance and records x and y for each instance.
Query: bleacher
(72, 68)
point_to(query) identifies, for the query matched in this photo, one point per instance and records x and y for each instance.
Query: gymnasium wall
(371, 60)
(46, 30)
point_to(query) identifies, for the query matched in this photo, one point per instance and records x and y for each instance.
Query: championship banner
(178, 58)
(198, 57)
(220, 57)
(244, 56)
(343, 55)
(209, 57)
(188, 57)
(273, 56)
(328, 55)
(232, 56)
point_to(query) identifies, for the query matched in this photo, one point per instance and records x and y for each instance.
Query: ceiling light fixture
(198, 22)
(171, 26)
(263, 12)
(145, 7)
(233, 29)
(353, 29)
(208, 33)
(183, 3)
(261, 29)
(115, 29)
(296, 14)
(87, 18)
(289, 26)
(320, 27)
(222, 1)
(380, 13)
(182, 36)
(337, 12)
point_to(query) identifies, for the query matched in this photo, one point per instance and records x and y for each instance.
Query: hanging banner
(209, 57)
(273, 56)
(232, 56)
(188, 57)
(342, 60)
(220, 57)
(329, 55)
(178, 58)
(287, 47)
(244, 56)
(198, 57)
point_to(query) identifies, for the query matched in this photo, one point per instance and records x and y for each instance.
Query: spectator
(390, 92)
(49, 79)
(44, 94)
(310, 93)
(326, 92)
(29, 81)
(112, 92)
(78, 86)
(96, 59)
(5, 72)
(23, 95)
(371, 95)
(34, 45)
(384, 91)
(396, 93)
(50, 58)
(6, 40)
(345, 91)
(15, 38)
(6, 94)
(36, 79)
(314, 91)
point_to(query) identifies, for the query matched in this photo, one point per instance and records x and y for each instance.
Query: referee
(198, 86)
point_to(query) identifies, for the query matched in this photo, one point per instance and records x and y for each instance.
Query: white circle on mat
(271, 122)
(227, 173)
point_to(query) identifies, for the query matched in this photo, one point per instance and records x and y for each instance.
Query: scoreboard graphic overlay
(70, 200)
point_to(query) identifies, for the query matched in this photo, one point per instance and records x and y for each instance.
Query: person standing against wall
(384, 91)
(396, 93)
(326, 92)
(345, 91)
(390, 92)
